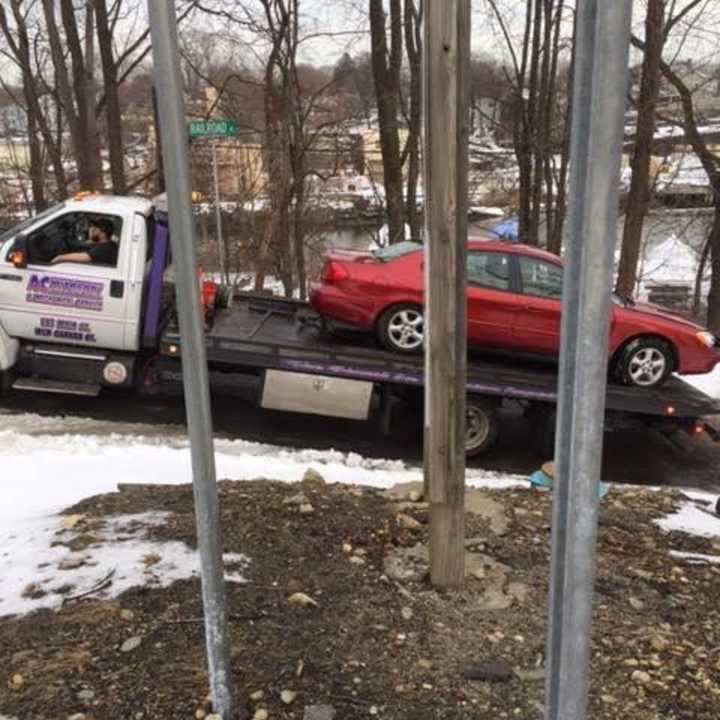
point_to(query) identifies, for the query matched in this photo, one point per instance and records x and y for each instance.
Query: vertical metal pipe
(163, 25)
(218, 216)
(602, 38)
(446, 60)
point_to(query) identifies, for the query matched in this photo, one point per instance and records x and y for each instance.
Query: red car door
(492, 302)
(537, 323)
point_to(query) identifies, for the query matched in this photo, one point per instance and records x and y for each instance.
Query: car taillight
(333, 272)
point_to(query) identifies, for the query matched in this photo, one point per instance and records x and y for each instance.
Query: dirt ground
(379, 641)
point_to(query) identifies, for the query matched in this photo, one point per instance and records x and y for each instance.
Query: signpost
(213, 130)
(163, 27)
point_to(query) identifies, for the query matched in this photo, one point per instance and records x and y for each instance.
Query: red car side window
(541, 279)
(488, 270)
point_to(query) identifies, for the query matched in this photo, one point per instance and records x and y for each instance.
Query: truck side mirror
(18, 254)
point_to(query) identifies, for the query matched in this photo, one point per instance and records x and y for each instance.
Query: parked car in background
(513, 305)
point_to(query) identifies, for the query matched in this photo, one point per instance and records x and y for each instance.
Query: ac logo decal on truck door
(65, 292)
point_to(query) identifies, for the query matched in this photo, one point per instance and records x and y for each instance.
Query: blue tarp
(506, 229)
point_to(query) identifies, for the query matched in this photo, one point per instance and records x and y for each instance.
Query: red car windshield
(392, 252)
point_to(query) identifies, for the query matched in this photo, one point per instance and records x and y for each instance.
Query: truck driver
(100, 250)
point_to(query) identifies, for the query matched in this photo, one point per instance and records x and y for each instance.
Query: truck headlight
(706, 338)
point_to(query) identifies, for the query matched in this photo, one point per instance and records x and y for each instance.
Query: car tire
(401, 329)
(646, 362)
(482, 425)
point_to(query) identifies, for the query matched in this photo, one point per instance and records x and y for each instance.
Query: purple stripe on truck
(155, 281)
(407, 378)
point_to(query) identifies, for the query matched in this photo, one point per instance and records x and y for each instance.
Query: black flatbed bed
(261, 332)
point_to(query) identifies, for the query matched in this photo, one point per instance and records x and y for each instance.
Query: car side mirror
(18, 254)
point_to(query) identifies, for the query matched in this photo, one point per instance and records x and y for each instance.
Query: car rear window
(392, 252)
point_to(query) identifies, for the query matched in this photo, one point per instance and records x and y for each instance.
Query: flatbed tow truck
(84, 329)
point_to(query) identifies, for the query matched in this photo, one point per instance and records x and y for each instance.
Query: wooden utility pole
(446, 120)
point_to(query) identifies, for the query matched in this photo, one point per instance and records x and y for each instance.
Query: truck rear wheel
(541, 429)
(482, 425)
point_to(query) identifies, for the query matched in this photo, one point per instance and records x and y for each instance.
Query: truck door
(69, 302)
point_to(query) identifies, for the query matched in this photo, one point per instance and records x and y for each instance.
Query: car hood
(658, 312)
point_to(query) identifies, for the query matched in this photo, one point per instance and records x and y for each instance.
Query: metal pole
(446, 61)
(163, 24)
(602, 37)
(218, 216)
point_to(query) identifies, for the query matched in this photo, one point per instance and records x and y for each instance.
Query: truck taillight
(333, 272)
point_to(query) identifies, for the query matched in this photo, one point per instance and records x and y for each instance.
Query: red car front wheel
(646, 362)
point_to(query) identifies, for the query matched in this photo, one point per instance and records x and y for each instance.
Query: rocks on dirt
(257, 695)
(297, 499)
(319, 712)
(131, 644)
(407, 522)
(532, 675)
(288, 696)
(406, 613)
(71, 563)
(407, 564)
(17, 681)
(261, 714)
(303, 600)
(86, 696)
(640, 677)
(306, 509)
(126, 614)
(490, 670)
(313, 477)
(405, 492)
(481, 503)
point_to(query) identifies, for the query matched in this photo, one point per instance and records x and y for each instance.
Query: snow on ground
(49, 464)
(709, 383)
(695, 517)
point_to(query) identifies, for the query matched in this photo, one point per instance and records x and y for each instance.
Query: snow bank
(46, 469)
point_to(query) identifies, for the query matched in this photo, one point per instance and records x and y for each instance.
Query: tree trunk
(639, 196)
(113, 114)
(697, 291)
(386, 76)
(713, 317)
(413, 45)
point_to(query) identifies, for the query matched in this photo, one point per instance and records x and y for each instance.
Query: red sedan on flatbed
(514, 305)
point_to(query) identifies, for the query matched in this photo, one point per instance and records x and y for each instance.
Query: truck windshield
(26, 223)
(392, 252)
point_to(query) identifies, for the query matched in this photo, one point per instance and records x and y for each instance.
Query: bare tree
(386, 65)
(77, 95)
(541, 117)
(686, 17)
(413, 44)
(638, 199)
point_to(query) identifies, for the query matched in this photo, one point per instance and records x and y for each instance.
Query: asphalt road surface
(642, 457)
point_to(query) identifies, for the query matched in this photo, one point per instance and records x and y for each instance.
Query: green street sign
(212, 128)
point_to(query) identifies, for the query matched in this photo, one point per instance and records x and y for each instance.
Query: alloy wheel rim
(405, 329)
(647, 366)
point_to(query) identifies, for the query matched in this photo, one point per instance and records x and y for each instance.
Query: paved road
(639, 457)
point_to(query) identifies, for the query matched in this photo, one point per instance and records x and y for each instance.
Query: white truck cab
(74, 304)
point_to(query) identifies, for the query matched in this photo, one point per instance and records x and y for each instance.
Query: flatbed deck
(259, 332)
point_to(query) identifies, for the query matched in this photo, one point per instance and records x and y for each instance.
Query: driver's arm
(78, 257)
